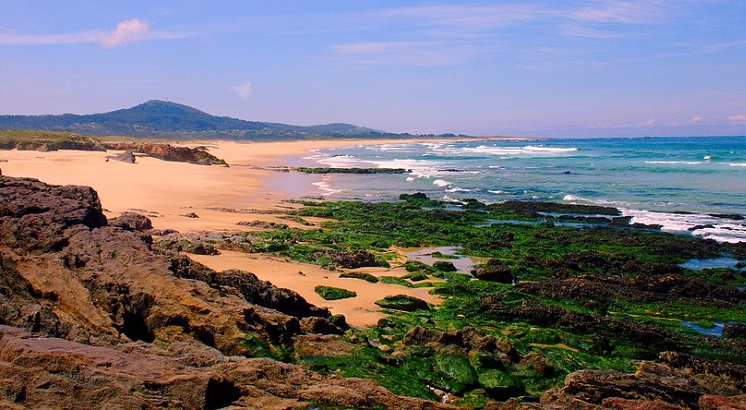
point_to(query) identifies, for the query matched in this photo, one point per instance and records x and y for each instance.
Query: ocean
(678, 183)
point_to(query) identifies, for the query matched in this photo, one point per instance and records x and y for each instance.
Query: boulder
(127, 156)
(494, 271)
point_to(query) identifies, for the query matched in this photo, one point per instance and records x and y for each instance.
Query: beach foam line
(737, 164)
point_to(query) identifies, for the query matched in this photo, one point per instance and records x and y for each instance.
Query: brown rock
(119, 325)
(627, 404)
(132, 222)
(494, 271)
(708, 402)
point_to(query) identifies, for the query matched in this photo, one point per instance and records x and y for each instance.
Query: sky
(561, 68)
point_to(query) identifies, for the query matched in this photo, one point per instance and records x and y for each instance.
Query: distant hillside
(163, 119)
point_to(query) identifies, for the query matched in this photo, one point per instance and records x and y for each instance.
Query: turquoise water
(679, 183)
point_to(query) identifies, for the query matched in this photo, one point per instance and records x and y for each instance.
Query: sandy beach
(220, 197)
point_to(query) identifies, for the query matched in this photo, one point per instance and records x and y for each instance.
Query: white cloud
(243, 90)
(737, 118)
(127, 31)
(624, 12)
(696, 120)
(649, 123)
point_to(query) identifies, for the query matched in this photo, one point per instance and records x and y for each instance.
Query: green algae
(536, 251)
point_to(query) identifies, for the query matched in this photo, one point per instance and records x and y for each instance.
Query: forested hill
(170, 120)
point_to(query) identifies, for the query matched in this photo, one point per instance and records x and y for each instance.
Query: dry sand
(166, 191)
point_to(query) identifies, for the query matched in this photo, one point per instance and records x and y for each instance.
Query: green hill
(161, 119)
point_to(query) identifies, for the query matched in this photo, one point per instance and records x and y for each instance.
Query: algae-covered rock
(495, 271)
(402, 302)
(455, 367)
(444, 266)
(360, 275)
(332, 293)
(415, 276)
(500, 385)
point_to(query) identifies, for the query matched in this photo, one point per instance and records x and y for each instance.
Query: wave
(707, 226)
(326, 188)
(441, 183)
(737, 164)
(344, 161)
(549, 150)
(508, 152)
(457, 189)
(675, 162)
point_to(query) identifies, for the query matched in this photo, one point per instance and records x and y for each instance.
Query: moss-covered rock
(332, 293)
(500, 385)
(444, 266)
(455, 367)
(415, 276)
(402, 302)
(360, 275)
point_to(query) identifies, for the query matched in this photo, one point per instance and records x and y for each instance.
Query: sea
(689, 185)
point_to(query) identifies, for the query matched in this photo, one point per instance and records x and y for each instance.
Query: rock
(126, 156)
(43, 372)
(319, 325)
(38, 217)
(708, 402)
(190, 215)
(117, 324)
(131, 221)
(354, 260)
(402, 302)
(656, 336)
(167, 152)
(627, 404)
(494, 271)
(184, 245)
(734, 331)
(445, 266)
(675, 380)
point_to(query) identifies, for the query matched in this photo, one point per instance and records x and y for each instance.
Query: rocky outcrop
(674, 381)
(643, 289)
(131, 221)
(92, 316)
(127, 156)
(43, 372)
(55, 145)
(604, 329)
(167, 152)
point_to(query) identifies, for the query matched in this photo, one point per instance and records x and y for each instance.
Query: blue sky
(536, 68)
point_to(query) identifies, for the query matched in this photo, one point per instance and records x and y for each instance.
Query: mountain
(161, 119)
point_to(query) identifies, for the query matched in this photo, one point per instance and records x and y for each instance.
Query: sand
(220, 197)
